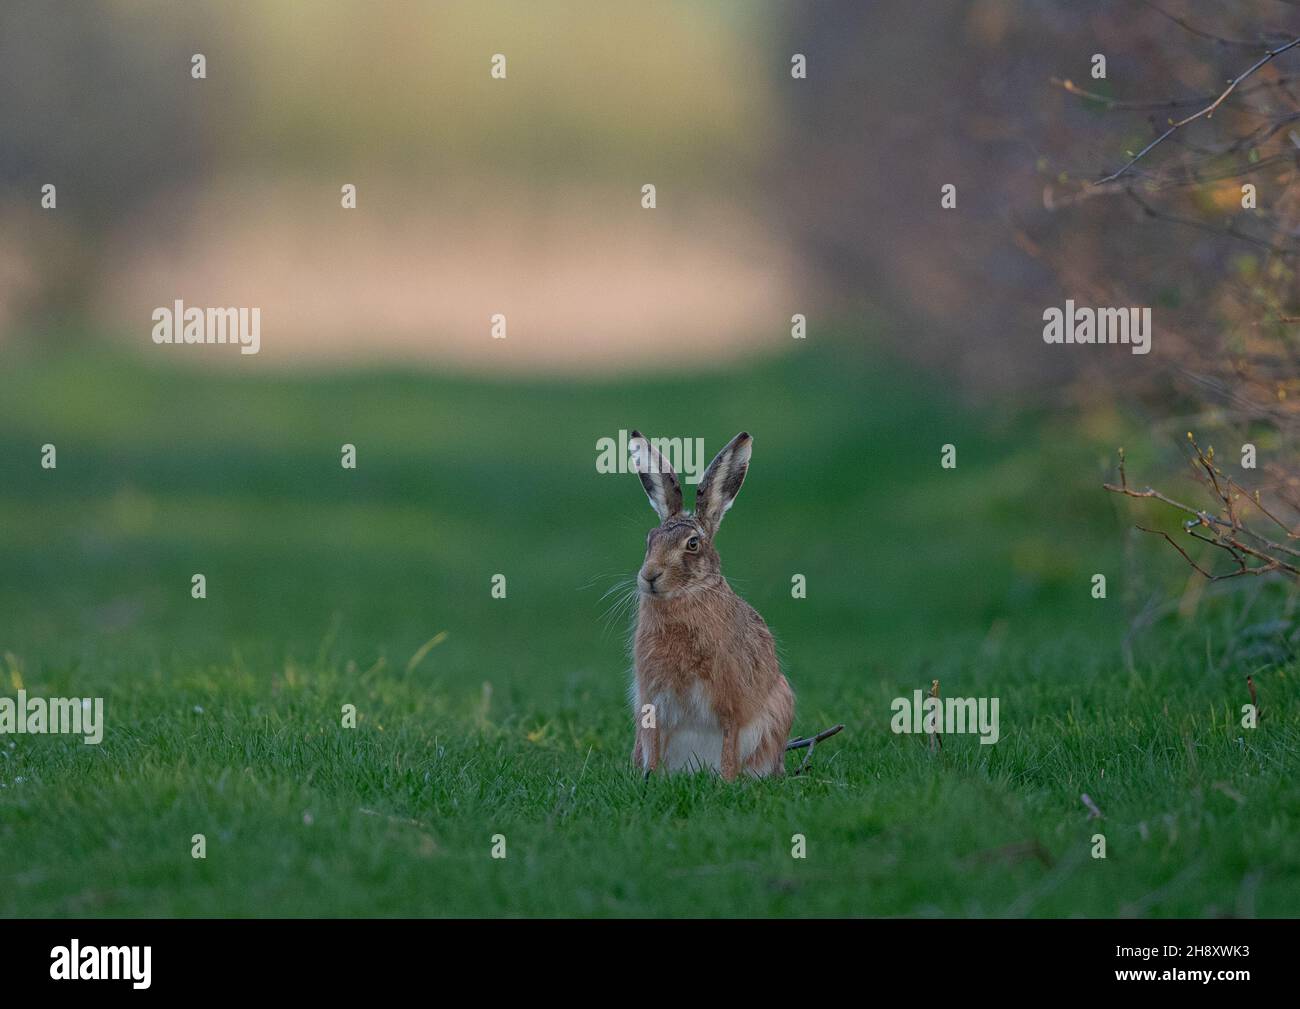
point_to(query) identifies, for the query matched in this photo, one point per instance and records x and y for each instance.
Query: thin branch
(799, 744)
(811, 742)
(1201, 33)
(1200, 570)
(1231, 231)
(936, 738)
(1120, 105)
(1206, 112)
(1225, 534)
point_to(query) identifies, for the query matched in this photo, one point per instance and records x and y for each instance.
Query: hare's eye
(693, 544)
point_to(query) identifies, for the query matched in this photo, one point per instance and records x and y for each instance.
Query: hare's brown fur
(704, 659)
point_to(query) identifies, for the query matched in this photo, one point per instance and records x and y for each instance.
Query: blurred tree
(103, 108)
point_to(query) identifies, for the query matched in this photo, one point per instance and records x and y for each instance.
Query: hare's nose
(651, 576)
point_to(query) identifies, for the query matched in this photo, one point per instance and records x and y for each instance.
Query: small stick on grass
(936, 740)
(802, 741)
(810, 742)
(1250, 685)
(1093, 812)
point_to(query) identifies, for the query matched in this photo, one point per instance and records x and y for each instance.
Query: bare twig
(800, 743)
(936, 738)
(1230, 231)
(1120, 105)
(1206, 112)
(1228, 532)
(810, 742)
(1200, 32)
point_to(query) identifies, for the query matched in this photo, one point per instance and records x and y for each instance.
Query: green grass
(224, 714)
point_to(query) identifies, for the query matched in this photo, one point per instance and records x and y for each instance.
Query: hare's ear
(657, 476)
(721, 482)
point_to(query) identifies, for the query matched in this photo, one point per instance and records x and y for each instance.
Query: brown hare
(704, 659)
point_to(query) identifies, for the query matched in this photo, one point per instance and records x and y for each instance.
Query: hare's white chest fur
(690, 734)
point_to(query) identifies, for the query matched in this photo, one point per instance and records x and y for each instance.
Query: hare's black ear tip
(744, 436)
(636, 433)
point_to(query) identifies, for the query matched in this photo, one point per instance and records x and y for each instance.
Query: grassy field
(323, 586)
